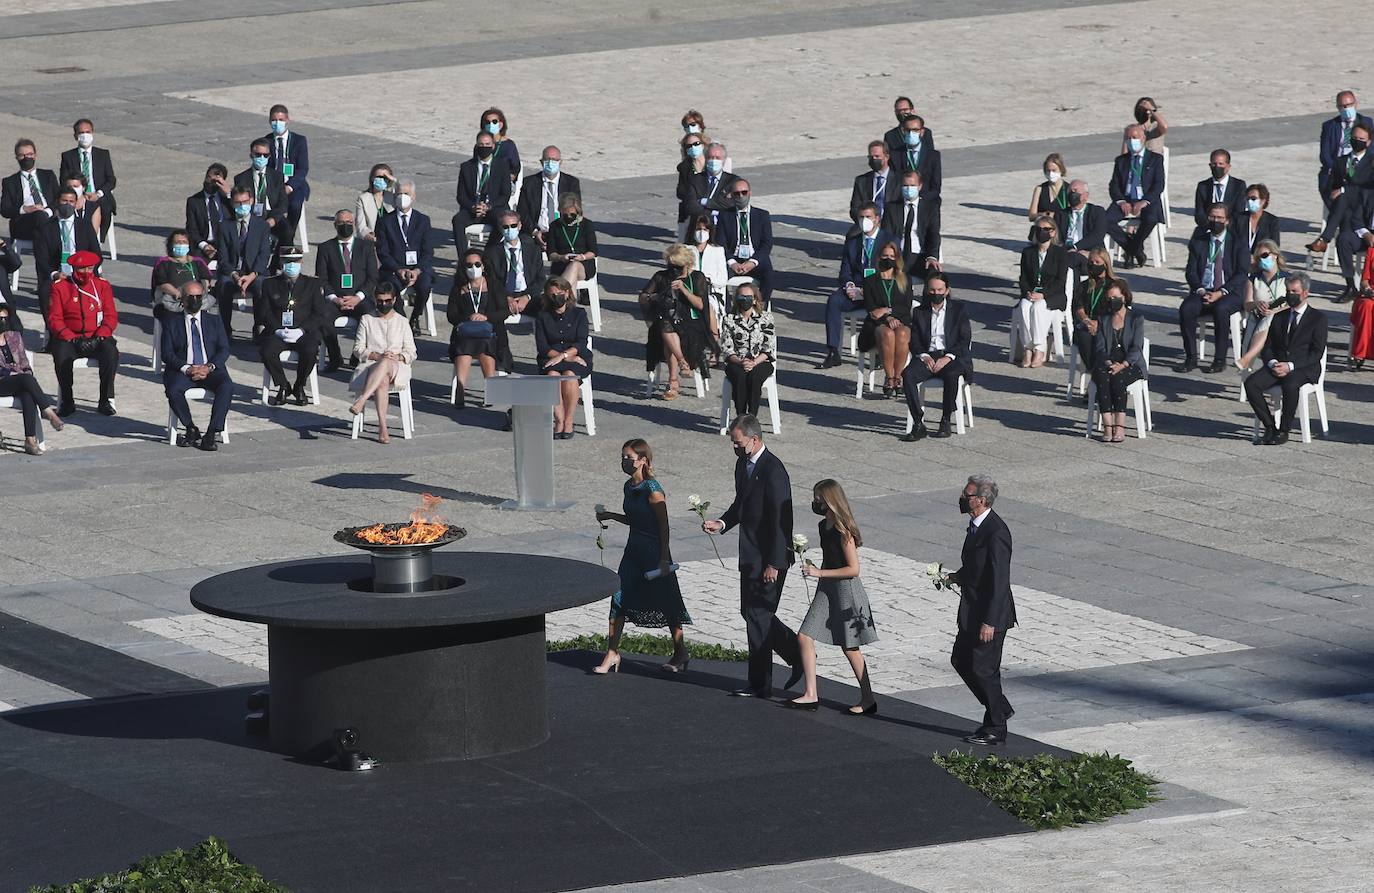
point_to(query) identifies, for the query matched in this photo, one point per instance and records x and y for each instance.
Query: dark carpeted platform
(645, 776)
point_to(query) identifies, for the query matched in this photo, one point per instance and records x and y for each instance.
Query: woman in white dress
(711, 262)
(1266, 293)
(385, 350)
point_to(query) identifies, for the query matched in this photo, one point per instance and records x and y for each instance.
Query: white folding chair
(1236, 349)
(292, 357)
(853, 321)
(341, 327)
(477, 235)
(867, 367)
(407, 413)
(593, 291)
(1275, 397)
(963, 404)
(20, 246)
(1157, 258)
(110, 244)
(453, 391)
(1164, 195)
(1075, 377)
(1328, 255)
(427, 324)
(588, 406)
(1138, 391)
(13, 403)
(173, 424)
(1061, 321)
(770, 391)
(90, 363)
(157, 344)
(515, 189)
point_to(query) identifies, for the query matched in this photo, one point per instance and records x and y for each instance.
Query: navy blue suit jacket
(1235, 262)
(1151, 179)
(298, 154)
(1234, 199)
(177, 353)
(495, 192)
(762, 511)
(392, 245)
(1331, 144)
(852, 264)
(760, 235)
(928, 165)
(256, 250)
(958, 332)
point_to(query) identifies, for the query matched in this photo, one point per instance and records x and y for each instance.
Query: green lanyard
(687, 283)
(744, 227)
(1040, 270)
(868, 249)
(1096, 296)
(262, 184)
(887, 287)
(1062, 200)
(572, 240)
(1213, 249)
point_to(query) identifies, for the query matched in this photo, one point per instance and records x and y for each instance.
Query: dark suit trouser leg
(308, 353)
(766, 633)
(916, 373)
(422, 287)
(1256, 383)
(219, 383)
(295, 206)
(1114, 230)
(836, 306)
(107, 357)
(270, 351)
(176, 386)
(979, 664)
(1188, 312)
(63, 355)
(461, 221)
(1347, 244)
(1221, 311)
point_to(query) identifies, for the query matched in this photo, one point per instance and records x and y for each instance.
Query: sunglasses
(743, 192)
(261, 155)
(1045, 229)
(1265, 254)
(693, 145)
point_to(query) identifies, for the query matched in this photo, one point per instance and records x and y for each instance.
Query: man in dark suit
(1218, 263)
(941, 347)
(28, 195)
(56, 240)
(1220, 188)
(268, 190)
(539, 196)
(286, 320)
(208, 211)
(405, 251)
(746, 233)
(243, 247)
(92, 165)
(763, 512)
(1336, 138)
(986, 608)
(1292, 356)
(347, 269)
(1136, 189)
(858, 261)
(878, 185)
(713, 189)
(915, 155)
(1348, 196)
(914, 222)
(195, 354)
(1082, 225)
(482, 189)
(514, 265)
(903, 109)
(291, 158)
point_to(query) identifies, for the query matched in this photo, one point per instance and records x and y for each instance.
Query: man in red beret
(82, 317)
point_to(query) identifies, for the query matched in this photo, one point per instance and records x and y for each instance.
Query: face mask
(83, 277)
(385, 307)
(1141, 116)
(345, 230)
(551, 167)
(403, 200)
(1135, 145)
(1358, 145)
(26, 164)
(867, 225)
(483, 152)
(675, 270)
(875, 164)
(1217, 226)
(512, 233)
(1252, 205)
(715, 165)
(742, 452)
(556, 300)
(1348, 113)
(1218, 172)
(492, 127)
(84, 140)
(379, 184)
(692, 128)
(627, 465)
(291, 269)
(701, 236)
(1042, 236)
(743, 302)
(741, 202)
(474, 271)
(1075, 199)
(695, 151)
(1267, 263)
(279, 127)
(964, 507)
(1115, 304)
(210, 187)
(912, 137)
(818, 506)
(909, 193)
(193, 303)
(569, 218)
(1053, 176)
(886, 263)
(65, 211)
(1294, 299)
(180, 250)
(260, 162)
(935, 300)
(4, 322)
(1096, 270)
(242, 210)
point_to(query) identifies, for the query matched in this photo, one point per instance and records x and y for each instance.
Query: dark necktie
(348, 258)
(197, 348)
(972, 528)
(1292, 324)
(210, 218)
(34, 190)
(86, 168)
(906, 231)
(1218, 191)
(281, 151)
(510, 272)
(711, 185)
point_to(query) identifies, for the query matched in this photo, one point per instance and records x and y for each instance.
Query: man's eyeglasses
(741, 192)
(261, 155)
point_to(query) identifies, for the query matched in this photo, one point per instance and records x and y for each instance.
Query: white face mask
(867, 224)
(84, 140)
(701, 236)
(403, 201)
(1053, 176)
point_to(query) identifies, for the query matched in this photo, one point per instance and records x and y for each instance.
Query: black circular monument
(427, 655)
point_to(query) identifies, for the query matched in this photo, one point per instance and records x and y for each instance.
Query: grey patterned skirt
(840, 614)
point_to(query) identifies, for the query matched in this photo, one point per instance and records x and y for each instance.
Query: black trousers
(1111, 389)
(747, 386)
(1132, 243)
(1261, 380)
(24, 388)
(422, 287)
(178, 383)
(1086, 343)
(464, 219)
(106, 356)
(916, 372)
(330, 335)
(1219, 311)
(979, 664)
(758, 605)
(227, 293)
(307, 350)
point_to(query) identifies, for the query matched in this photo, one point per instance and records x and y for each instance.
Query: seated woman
(494, 123)
(749, 343)
(371, 205)
(1053, 192)
(17, 381)
(1044, 266)
(172, 272)
(1257, 224)
(562, 346)
(571, 243)
(711, 262)
(385, 350)
(479, 326)
(674, 307)
(1266, 293)
(887, 298)
(1120, 358)
(1362, 317)
(1087, 305)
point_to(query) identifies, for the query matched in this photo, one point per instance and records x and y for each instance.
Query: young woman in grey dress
(839, 613)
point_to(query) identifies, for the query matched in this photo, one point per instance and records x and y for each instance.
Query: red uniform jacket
(82, 312)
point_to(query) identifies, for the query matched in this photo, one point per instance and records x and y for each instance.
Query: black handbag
(480, 331)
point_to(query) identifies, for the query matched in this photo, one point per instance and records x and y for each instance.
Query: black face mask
(675, 269)
(4, 322)
(556, 301)
(935, 300)
(1293, 300)
(210, 187)
(345, 230)
(742, 452)
(1141, 116)
(1075, 199)
(26, 164)
(193, 303)
(1217, 226)
(385, 307)
(64, 211)
(964, 507)
(1218, 172)
(483, 152)
(1358, 145)
(569, 219)
(1115, 304)
(875, 164)
(627, 465)
(818, 506)
(1096, 270)
(886, 263)
(1042, 236)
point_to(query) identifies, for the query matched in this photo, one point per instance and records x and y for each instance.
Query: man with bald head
(1336, 137)
(747, 234)
(1136, 189)
(539, 196)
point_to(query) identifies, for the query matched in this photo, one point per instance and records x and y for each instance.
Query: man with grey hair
(763, 512)
(711, 190)
(986, 608)
(405, 251)
(539, 198)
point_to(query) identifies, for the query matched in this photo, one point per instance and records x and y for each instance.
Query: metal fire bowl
(349, 537)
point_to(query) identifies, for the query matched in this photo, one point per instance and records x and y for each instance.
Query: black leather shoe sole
(750, 693)
(798, 705)
(986, 740)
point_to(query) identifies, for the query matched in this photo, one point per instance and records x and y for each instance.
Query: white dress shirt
(548, 201)
(190, 349)
(937, 330)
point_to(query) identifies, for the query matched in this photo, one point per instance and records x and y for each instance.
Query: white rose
(694, 500)
(798, 542)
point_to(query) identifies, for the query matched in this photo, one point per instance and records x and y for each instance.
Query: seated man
(1218, 264)
(540, 196)
(1082, 225)
(91, 165)
(268, 190)
(195, 354)
(878, 185)
(56, 240)
(1337, 134)
(894, 139)
(480, 194)
(514, 266)
(291, 159)
(285, 320)
(746, 233)
(82, 319)
(915, 223)
(243, 247)
(858, 261)
(347, 269)
(942, 347)
(1292, 357)
(1347, 198)
(712, 189)
(208, 210)
(1136, 189)
(405, 252)
(27, 196)
(1221, 187)
(916, 155)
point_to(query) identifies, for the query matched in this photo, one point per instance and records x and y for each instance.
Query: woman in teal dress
(652, 603)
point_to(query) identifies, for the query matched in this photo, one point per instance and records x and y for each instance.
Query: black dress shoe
(812, 707)
(832, 359)
(1279, 438)
(510, 423)
(352, 362)
(207, 443)
(1217, 366)
(333, 366)
(794, 678)
(1345, 296)
(105, 407)
(917, 432)
(1266, 437)
(987, 739)
(751, 693)
(1187, 365)
(66, 409)
(279, 398)
(942, 430)
(190, 438)
(415, 326)
(870, 710)
(298, 395)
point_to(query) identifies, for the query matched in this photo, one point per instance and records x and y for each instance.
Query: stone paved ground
(1188, 600)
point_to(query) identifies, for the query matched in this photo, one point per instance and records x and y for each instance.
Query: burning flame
(425, 526)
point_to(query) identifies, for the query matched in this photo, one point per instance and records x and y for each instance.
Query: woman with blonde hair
(644, 602)
(1266, 293)
(1053, 193)
(674, 307)
(1088, 304)
(839, 613)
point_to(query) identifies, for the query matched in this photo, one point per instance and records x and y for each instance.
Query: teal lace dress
(640, 601)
